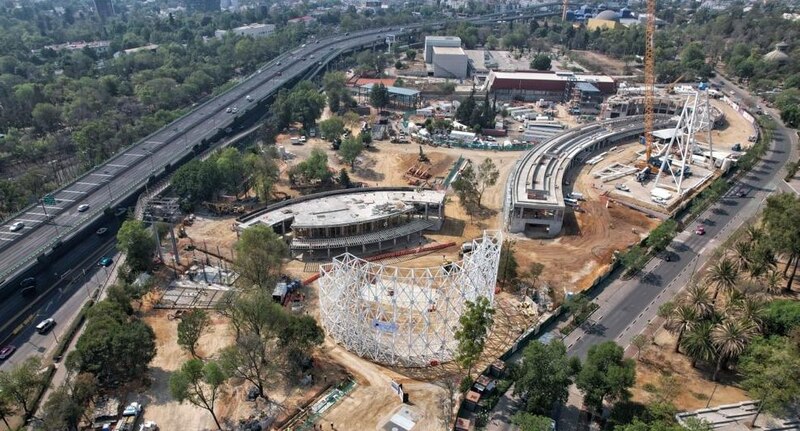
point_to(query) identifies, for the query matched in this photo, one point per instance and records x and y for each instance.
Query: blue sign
(384, 326)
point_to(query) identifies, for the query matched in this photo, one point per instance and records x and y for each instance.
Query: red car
(6, 352)
(700, 230)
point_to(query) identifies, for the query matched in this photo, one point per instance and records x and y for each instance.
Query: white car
(83, 207)
(16, 226)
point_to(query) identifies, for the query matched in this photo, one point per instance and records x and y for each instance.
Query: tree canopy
(259, 255)
(474, 326)
(606, 375)
(543, 376)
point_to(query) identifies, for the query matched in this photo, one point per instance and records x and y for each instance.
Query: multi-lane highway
(127, 172)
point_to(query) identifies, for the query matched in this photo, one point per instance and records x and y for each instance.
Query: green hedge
(67, 337)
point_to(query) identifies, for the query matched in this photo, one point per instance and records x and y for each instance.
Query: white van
(45, 326)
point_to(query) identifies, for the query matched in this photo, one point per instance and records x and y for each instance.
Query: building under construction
(357, 221)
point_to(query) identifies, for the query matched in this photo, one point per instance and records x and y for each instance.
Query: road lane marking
(66, 200)
(27, 220)
(74, 191)
(37, 214)
(117, 166)
(87, 184)
(101, 175)
(135, 154)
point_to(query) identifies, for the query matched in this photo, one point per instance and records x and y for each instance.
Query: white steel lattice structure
(405, 316)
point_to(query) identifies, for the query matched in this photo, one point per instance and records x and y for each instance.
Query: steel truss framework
(405, 316)
(677, 153)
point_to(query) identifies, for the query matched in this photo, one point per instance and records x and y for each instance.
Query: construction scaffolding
(405, 316)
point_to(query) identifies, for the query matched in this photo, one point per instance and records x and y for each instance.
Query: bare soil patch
(697, 389)
(599, 63)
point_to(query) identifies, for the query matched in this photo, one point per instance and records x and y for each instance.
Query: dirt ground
(599, 63)
(697, 391)
(572, 261)
(231, 406)
(736, 129)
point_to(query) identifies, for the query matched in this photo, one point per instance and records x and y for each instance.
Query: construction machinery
(649, 85)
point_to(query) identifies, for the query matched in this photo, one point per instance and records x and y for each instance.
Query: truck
(129, 417)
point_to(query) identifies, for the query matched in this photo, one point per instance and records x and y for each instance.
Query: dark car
(742, 192)
(106, 262)
(6, 352)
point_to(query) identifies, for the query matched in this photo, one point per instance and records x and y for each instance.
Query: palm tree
(723, 275)
(772, 282)
(742, 255)
(762, 259)
(753, 233)
(730, 338)
(697, 343)
(750, 309)
(698, 297)
(682, 318)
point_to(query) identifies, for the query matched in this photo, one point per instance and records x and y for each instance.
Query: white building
(449, 62)
(444, 41)
(252, 30)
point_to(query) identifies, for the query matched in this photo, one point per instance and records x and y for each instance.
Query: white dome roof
(608, 15)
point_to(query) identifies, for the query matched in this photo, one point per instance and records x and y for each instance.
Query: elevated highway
(52, 228)
(535, 201)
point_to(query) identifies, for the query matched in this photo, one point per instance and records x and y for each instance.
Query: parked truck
(129, 417)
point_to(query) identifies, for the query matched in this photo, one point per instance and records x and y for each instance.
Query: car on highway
(700, 230)
(6, 352)
(102, 231)
(83, 207)
(106, 262)
(249, 98)
(742, 192)
(45, 326)
(16, 226)
(228, 110)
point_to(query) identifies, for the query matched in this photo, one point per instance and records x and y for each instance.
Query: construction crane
(649, 81)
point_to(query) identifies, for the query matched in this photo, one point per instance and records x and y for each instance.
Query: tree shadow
(651, 278)
(453, 227)
(718, 211)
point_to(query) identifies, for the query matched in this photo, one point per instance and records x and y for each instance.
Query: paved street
(626, 307)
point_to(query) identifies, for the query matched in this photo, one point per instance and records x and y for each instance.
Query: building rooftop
(448, 50)
(442, 38)
(400, 91)
(550, 76)
(586, 87)
(343, 210)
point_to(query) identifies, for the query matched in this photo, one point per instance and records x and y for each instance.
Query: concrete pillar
(426, 210)
(380, 245)
(394, 241)
(329, 252)
(363, 248)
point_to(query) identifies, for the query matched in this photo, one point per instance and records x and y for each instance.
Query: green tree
(507, 271)
(314, 168)
(662, 236)
(263, 173)
(697, 343)
(255, 313)
(723, 275)
(259, 255)
(46, 117)
(781, 316)
(771, 370)
(466, 188)
(332, 128)
(196, 181)
(229, 164)
(379, 96)
(486, 177)
(350, 150)
(541, 62)
(22, 384)
(699, 299)
(252, 359)
(682, 319)
(136, 241)
(529, 422)
(344, 179)
(474, 325)
(411, 54)
(791, 116)
(61, 411)
(199, 384)
(634, 259)
(606, 375)
(730, 338)
(543, 376)
(641, 342)
(114, 347)
(191, 327)
(782, 226)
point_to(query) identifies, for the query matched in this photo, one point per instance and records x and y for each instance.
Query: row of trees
(476, 115)
(227, 171)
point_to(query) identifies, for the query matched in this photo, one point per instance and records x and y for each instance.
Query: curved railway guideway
(536, 205)
(126, 173)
